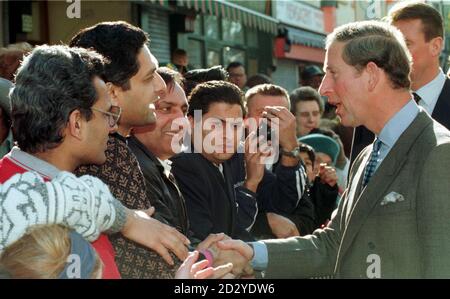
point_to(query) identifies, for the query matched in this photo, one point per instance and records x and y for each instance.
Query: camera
(264, 129)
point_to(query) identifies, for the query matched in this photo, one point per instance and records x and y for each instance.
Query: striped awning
(306, 38)
(228, 10)
(161, 2)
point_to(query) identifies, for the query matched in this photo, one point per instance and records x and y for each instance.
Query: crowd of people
(143, 171)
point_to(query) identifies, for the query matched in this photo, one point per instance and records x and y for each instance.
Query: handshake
(225, 258)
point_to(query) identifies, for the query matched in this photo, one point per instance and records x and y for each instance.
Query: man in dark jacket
(152, 147)
(206, 181)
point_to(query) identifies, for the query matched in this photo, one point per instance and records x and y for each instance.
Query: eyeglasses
(113, 114)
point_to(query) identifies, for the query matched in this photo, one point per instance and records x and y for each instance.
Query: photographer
(283, 182)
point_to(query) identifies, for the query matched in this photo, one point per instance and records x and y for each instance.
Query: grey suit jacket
(398, 226)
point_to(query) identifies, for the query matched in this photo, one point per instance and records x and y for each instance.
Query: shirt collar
(395, 127)
(31, 163)
(167, 164)
(429, 93)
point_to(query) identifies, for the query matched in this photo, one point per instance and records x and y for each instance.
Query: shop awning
(228, 10)
(161, 2)
(305, 38)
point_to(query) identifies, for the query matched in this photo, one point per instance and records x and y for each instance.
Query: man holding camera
(284, 180)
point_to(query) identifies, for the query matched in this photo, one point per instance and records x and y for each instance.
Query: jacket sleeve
(433, 210)
(304, 216)
(247, 207)
(324, 198)
(84, 204)
(304, 257)
(282, 190)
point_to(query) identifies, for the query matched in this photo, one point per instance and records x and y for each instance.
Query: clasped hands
(231, 258)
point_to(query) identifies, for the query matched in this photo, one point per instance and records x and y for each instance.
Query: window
(232, 31)
(211, 27)
(212, 58)
(232, 54)
(195, 53)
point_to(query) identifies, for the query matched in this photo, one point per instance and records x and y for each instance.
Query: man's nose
(324, 87)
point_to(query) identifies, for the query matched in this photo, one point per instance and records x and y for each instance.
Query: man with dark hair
(61, 115)
(152, 145)
(423, 29)
(312, 76)
(237, 74)
(392, 221)
(258, 79)
(204, 177)
(6, 139)
(54, 119)
(180, 61)
(197, 76)
(135, 85)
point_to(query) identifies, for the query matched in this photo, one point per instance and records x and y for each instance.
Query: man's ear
(75, 124)
(436, 45)
(115, 93)
(374, 73)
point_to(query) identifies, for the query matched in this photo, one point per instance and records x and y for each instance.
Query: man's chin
(98, 161)
(223, 156)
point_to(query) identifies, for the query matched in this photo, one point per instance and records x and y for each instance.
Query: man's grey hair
(52, 82)
(377, 42)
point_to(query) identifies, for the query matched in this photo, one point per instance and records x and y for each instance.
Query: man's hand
(239, 253)
(149, 232)
(191, 270)
(211, 240)
(327, 175)
(281, 226)
(224, 257)
(254, 166)
(286, 122)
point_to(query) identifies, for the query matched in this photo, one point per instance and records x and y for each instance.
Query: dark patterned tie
(373, 161)
(417, 98)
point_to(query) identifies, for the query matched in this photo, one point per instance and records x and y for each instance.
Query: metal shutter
(156, 23)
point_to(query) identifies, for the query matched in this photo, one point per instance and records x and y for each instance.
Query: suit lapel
(380, 182)
(442, 108)
(355, 186)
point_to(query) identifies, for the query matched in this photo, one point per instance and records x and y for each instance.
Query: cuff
(260, 256)
(121, 217)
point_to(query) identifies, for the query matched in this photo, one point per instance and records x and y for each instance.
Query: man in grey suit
(393, 219)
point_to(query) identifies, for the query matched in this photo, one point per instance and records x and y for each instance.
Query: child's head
(50, 251)
(308, 157)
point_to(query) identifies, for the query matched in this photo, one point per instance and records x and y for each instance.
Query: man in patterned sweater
(134, 85)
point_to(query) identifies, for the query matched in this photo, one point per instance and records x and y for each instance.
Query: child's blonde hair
(41, 253)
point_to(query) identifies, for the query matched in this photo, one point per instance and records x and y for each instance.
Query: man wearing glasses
(58, 108)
